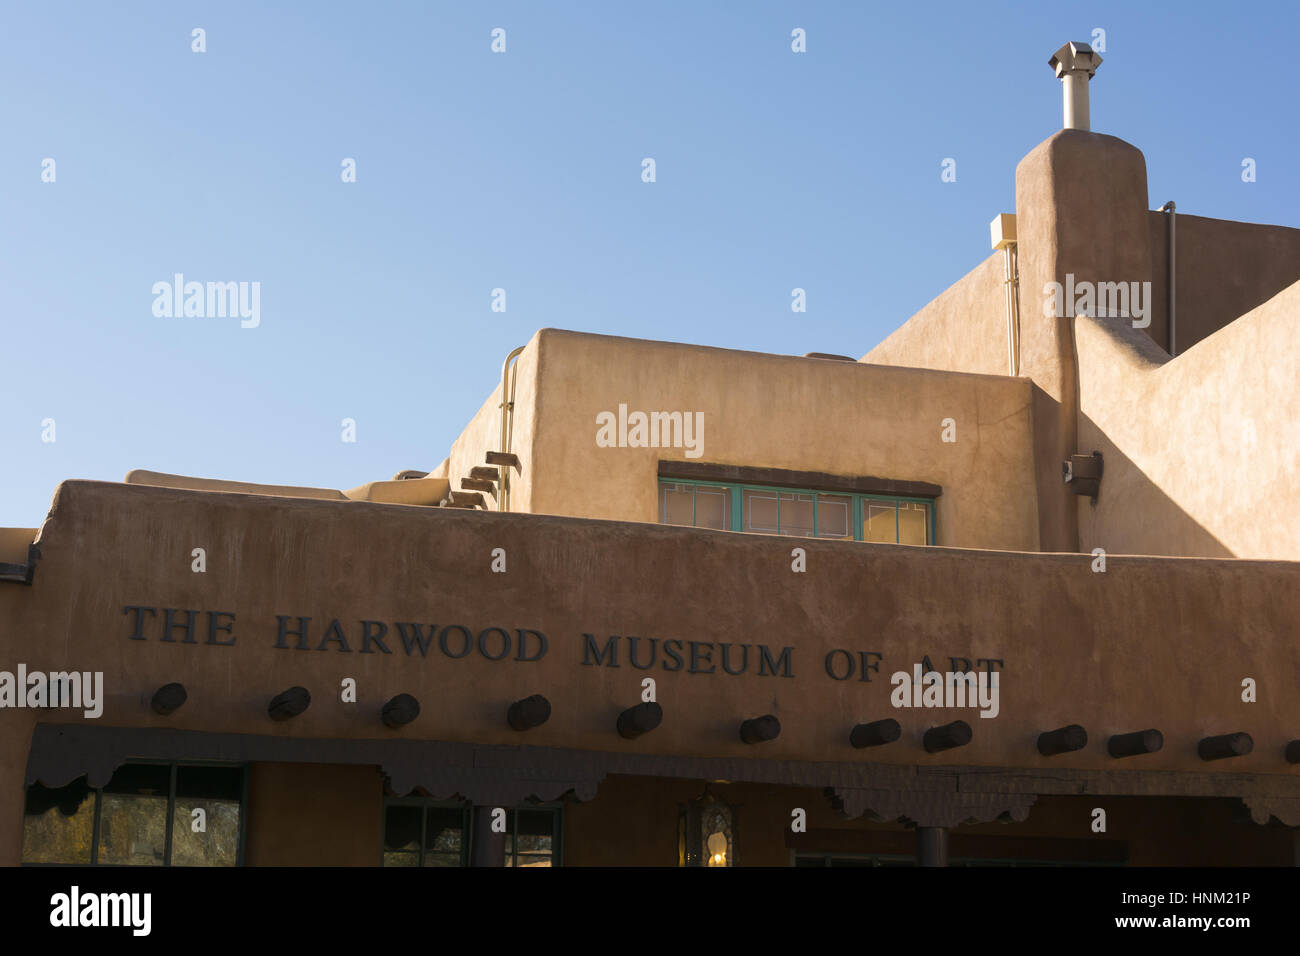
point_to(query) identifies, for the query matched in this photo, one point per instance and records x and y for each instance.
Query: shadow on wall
(1132, 514)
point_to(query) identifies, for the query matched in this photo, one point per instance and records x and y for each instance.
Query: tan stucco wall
(483, 434)
(140, 476)
(14, 544)
(1150, 643)
(777, 411)
(1224, 270)
(306, 814)
(1081, 209)
(964, 329)
(1202, 451)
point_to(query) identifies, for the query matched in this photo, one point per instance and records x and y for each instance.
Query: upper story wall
(776, 411)
(1083, 217)
(1223, 270)
(483, 433)
(1202, 450)
(964, 329)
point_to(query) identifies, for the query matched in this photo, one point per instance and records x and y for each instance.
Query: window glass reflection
(133, 816)
(59, 823)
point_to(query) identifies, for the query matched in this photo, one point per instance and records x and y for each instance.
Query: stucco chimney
(1075, 63)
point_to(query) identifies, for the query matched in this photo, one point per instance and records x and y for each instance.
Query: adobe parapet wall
(1201, 451)
(1148, 643)
(963, 329)
(768, 411)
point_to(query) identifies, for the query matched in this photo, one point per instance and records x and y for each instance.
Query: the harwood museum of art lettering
(294, 632)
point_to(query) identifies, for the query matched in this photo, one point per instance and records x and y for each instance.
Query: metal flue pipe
(1075, 64)
(1170, 208)
(508, 382)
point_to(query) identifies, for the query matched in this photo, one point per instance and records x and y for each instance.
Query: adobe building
(649, 609)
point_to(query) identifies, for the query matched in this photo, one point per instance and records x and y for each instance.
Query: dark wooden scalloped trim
(784, 478)
(501, 775)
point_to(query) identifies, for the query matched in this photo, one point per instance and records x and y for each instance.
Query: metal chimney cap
(1074, 57)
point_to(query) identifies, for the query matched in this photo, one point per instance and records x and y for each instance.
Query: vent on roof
(1075, 64)
(828, 355)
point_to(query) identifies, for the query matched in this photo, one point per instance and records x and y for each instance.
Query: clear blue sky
(522, 170)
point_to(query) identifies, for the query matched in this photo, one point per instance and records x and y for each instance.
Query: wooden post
(399, 711)
(875, 734)
(1227, 745)
(488, 848)
(168, 698)
(1138, 742)
(756, 730)
(1062, 740)
(529, 713)
(931, 846)
(289, 704)
(638, 720)
(956, 734)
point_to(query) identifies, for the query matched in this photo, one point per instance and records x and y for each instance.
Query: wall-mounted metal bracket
(1083, 474)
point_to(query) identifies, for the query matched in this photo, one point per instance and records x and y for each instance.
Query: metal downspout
(1012, 284)
(1173, 312)
(509, 379)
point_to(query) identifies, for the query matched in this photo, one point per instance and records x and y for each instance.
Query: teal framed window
(534, 836)
(149, 814)
(802, 513)
(421, 831)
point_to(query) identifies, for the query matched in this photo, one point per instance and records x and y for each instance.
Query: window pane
(760, 511)
(797, 515)
(442, 859)
(402, 828)
(676, 504)
(713, 507)
(133, 816)
(913, 523)
(535, 829)
(879, 521)
(834, 516)
(443, 834)
(401, 859)
(58, 823)
(530, 839)
(216, 791)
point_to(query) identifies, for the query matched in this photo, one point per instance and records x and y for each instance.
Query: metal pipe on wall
(1012, 285)
(1002, 232)
(1170, 208)
(508, 382)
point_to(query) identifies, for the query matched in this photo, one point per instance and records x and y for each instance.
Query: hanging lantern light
(706, 832)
